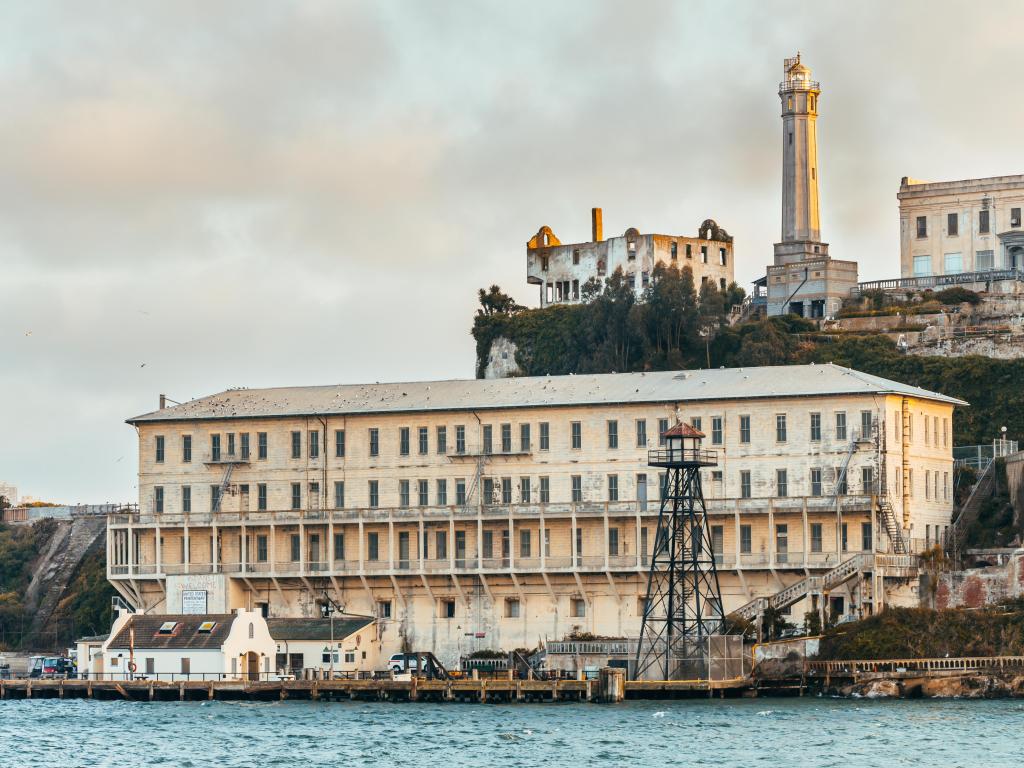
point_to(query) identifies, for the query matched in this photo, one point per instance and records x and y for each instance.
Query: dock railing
(867, 666)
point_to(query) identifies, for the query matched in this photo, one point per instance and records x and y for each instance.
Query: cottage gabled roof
(316, 629)
(185, 634)
(669, 387)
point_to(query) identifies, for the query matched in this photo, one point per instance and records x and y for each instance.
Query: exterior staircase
(981, 492)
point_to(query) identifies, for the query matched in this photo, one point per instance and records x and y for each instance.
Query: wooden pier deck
(467, 690)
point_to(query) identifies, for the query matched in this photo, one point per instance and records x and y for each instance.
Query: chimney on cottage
(163, 402)
(596, 226)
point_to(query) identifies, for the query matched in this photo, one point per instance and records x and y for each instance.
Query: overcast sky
(197, 195)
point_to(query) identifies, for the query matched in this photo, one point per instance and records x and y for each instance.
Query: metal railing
(861, 666)
(935, 281)
(672, 457)
(624, 647)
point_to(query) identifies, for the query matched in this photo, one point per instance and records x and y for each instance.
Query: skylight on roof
(207, 626)
(167, 627)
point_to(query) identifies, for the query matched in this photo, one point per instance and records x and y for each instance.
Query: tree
(494, 302)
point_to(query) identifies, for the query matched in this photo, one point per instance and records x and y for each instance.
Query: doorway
(253, 665)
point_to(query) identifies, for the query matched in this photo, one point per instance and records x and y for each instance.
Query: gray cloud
(195, 196)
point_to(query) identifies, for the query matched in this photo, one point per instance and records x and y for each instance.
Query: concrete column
(302, 548)
(451, 543)
(572, 541)
(159, 554)
(479, 540)
(542, 532)
(273, 548)
(736, 543)
(511, 543)
(419, 545)
(771, 533)
(606, 527)
(639, 525)
(807, 534)
(330, 544)
(391, 545)
(362, 548)
(214, 554)
(188, 545)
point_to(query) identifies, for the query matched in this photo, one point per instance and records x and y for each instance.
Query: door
(253, 665)
(641, 492)
(403, 549)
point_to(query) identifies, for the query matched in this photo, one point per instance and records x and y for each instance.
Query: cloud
(256, 194)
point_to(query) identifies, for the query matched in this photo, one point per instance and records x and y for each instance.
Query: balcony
(215, 458)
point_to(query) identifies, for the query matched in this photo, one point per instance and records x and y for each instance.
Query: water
(771, 732)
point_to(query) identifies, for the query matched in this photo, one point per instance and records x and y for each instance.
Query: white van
(397, 663)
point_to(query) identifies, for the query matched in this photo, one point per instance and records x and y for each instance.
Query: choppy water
(771, 732)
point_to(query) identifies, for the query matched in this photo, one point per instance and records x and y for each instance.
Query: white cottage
(306, 646)
(190, 647)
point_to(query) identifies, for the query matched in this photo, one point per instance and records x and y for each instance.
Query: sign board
(193, 601)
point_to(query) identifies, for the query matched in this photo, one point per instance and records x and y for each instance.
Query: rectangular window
(186, 498)
(841, 482)
(489, 491)
(262, 551)
(922, 266)
(745, 484)
(866, 423)
(373, 546)
(231, 444)
(374, 493)
(487, 544)
(403, 441)
(662, 429)
(613, 541)
(716, 430)
(339, 443)
(460, 491)
(442, 440)
(460, 439)
(816, 542)
(983, 227)
(158, 493)
(576, 432)
(781, 483)
(244, 437)
(261, 445)
(442, 493)
(1015, 217)
(780, 428)
(440, 545)
(841, 425)
(782, 542)
(403, 493)
(314, 444)
(215, 447)
(214, 498)
(843, 537)
(383, 607)
(673, 250)
(423, 493)
(816, 482)
(545, 436)
(613, 487)
(296, 445)
(866, 543)
(641, 433)
(524, 543)
(815, 427)
(953, 263)
(952, 224)
(296, 495)
(746, 540)
(524, 438)
(424, 441)
(922, 226)
(545, 490)
(867, 479)
(578, 607)
(695, 422)
(159, 449)
(524, 490)
(984, 260)
(488, 438)
(261, 497)
(339, 494)
(721, 257)
(186, 448)
(744, 429)
(577, 489)
(506, 490)
(295, 547)
(374, 441)
(613, 434)
(704, 254)
(511, 608)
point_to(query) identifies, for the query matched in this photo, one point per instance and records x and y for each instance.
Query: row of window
(508, 440)
(953, 223)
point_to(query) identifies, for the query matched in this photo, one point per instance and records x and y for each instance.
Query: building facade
(804, 279)
(504, 513)
(954, 227)
(562, 270)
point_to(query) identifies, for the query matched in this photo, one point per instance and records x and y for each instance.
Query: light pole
(328, 607)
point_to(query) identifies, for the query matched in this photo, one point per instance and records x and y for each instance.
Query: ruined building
(561, 270)
(804, 280)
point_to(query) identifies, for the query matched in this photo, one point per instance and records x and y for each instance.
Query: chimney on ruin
(596, 225)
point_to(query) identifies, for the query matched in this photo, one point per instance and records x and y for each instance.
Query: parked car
(57, 667)
(400, 662)
(5, 670)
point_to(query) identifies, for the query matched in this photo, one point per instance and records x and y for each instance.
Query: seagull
(142, 366)
(28, 333)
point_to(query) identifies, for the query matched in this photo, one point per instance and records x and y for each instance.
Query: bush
(958, 295)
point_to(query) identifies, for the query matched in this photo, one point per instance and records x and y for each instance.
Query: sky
(196, 196)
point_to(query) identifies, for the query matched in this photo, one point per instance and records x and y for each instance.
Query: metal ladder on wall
(224, 485)
(887, 516)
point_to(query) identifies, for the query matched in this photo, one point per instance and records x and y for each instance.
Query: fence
(863, 666)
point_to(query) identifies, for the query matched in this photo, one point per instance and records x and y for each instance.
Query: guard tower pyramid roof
(683, 430)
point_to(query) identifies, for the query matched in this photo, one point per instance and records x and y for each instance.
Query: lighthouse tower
(804, 280)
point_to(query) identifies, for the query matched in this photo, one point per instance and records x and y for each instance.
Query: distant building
(804, 280)
(9, 492)
(561, 270)
(954, 227)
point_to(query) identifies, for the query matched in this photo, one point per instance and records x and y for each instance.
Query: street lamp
(328, 607)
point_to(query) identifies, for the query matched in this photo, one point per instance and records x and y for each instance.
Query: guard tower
(684, 602)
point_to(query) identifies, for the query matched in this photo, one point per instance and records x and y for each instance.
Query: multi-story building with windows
(562, 270)
(502, 513)
(955, 227)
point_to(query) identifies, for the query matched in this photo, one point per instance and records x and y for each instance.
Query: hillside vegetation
(672, 327)
(913, 633)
